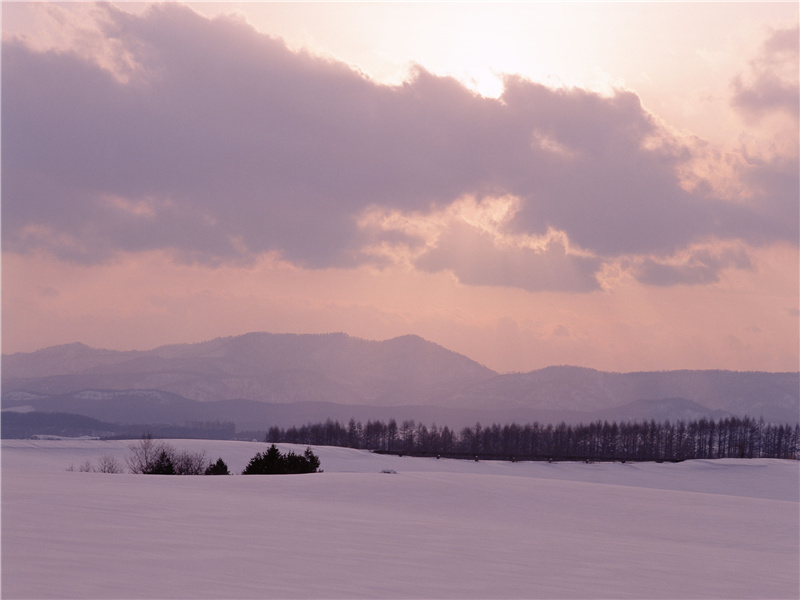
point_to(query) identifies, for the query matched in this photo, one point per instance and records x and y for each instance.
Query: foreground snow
(435, 529)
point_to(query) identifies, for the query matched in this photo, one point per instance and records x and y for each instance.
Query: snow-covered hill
(434, 529)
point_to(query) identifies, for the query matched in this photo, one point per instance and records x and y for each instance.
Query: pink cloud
(477, 259)
(773, 83)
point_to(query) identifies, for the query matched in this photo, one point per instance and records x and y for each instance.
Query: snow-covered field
(435, 529)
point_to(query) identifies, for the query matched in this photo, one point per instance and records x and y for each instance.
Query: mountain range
(258, 380)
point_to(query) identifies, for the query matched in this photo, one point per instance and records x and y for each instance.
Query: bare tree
(108, 464)
(190, 463)
(144, 454)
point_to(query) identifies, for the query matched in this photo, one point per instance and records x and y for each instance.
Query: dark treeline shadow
(731, 437)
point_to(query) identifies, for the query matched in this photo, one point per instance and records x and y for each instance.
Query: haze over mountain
(258, 366)
(261, 379)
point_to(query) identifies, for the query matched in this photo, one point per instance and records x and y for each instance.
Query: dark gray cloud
(224, 144)
(700, 267)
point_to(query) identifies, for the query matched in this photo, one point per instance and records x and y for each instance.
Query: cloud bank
(216, 142)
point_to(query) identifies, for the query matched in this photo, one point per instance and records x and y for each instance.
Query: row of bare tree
(731, 437)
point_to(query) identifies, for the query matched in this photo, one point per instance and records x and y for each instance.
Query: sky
(529, 184)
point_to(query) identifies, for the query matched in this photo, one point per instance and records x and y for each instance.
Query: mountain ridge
(166, 350)
(337, 370)
(259, 366)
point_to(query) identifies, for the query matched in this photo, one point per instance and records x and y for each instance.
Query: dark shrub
(312, 460)
(217, 468)
(272, 462)
(163, 465)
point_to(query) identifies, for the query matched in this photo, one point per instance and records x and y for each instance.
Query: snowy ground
(435, 529)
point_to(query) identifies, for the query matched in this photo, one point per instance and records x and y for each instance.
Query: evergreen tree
(312, 461)
(163, 465)
(217, 468)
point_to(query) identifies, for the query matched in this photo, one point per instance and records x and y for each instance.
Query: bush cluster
(149, 456)
(106, 464)
(272, 462)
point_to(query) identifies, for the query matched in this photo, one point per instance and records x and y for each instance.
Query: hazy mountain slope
(672, 409)
(64, 359)
(147, 406)
(117, 406)
(258, 366)
(774, 395)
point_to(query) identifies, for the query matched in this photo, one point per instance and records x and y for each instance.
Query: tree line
(729, 437)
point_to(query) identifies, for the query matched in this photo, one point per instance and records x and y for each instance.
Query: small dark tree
(217, 468)
(312, 461)
(163, 465)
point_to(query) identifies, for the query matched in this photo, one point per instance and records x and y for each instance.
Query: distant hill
(776, 396)
(261, 379)
(257, 366)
